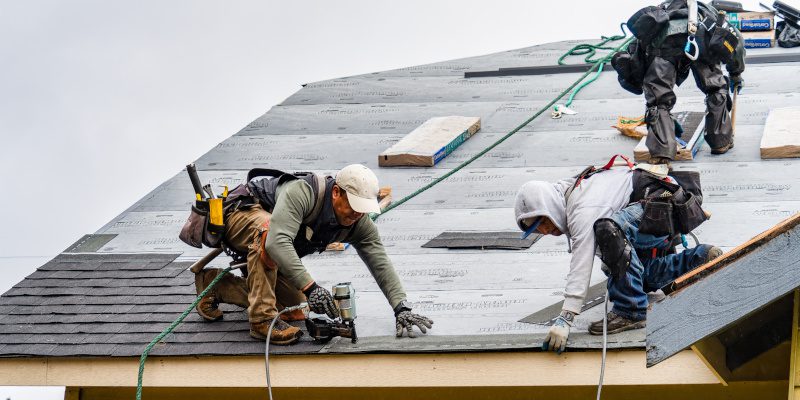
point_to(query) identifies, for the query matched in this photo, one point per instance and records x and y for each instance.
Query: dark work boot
(282, 333)
(661, 160)
(616, 324)
(230, 289)
(713, 253)
(208, 305)
(296, 315)
(208, 308)
(723, 149)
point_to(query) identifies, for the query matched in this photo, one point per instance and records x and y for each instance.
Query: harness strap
(591, 170)
(611, 162)
(321, 185)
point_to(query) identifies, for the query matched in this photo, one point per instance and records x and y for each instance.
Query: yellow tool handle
(215, 211)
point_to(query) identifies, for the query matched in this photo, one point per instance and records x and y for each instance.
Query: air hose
(269, 335)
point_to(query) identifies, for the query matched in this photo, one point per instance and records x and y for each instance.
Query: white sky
(101, 101)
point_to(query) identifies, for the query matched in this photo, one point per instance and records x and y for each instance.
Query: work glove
(321, 301)
(736, 83)
(558, 334)
(406, 320)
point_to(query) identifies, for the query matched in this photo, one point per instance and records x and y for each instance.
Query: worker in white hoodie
(599, 211)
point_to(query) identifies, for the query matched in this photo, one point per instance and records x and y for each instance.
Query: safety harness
(264, 192)
(648, 186)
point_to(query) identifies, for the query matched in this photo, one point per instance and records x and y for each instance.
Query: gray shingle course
(94, 349)
(22, 300)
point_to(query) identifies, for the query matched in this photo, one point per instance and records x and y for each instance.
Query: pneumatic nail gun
(323, 329)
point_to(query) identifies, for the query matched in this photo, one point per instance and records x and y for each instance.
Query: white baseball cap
(361, 186)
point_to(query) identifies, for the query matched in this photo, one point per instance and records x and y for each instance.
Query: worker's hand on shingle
(406, 320)
(321, 301)
(558, 334)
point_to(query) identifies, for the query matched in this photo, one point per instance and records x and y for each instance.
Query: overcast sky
(101, 101)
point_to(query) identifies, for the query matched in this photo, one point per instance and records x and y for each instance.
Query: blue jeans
(648, 274)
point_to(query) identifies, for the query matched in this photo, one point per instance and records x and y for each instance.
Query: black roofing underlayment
(113, 291)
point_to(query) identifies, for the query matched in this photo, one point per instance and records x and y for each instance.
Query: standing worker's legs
(244, 230)
(658, 83)
(711, 81)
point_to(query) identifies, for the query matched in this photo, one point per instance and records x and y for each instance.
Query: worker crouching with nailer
(275, 219)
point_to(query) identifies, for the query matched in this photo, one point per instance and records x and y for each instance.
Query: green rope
(596, 65)
(169, 330)
(591, 50)
(180, 319)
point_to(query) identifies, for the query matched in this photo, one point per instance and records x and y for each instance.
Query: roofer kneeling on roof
(608, 210)
(276, 219)
(673, 38)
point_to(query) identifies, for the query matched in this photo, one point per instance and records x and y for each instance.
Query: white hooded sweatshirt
(597, 197)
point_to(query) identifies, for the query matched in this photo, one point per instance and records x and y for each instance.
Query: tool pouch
(689, 181)
(688, 214)
(629, 65)
(199, 229)
(717, 39)
(657, 218)
(647, 23)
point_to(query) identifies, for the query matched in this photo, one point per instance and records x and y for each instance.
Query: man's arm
(367, 243)
(581, 225)
(583, 251)
(294, 201)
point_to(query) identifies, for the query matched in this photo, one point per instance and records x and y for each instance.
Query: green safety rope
(595, 65)
(590, 50)
(394, 205)
(169, 330)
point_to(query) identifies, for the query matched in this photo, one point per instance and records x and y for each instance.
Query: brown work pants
(268, 289)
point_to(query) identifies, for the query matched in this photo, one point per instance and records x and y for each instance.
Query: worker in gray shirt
(273, 221)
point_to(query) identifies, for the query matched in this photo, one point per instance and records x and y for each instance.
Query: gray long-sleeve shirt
(597, 197)
(295, 201)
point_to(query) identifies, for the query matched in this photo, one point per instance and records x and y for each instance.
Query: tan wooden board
(430, 142)
(781, 137)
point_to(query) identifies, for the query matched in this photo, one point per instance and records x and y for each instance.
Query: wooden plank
(781, 137)
(495, 369)
(758, 276)
(430, 142)
(712, 352)
(72, 393)
(733, 255)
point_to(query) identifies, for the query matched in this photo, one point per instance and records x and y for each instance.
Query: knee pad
(615, 250)
(717, 99)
